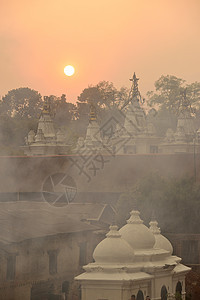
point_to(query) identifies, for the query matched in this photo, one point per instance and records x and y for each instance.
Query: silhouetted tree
(64, 111)
(175, 202)
(169, 92)
(12, 133)
(104, 95)
(21, 102)
(106, 99)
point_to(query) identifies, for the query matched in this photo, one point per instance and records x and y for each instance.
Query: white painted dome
(136, 233)
(113, 249)
(161, 241)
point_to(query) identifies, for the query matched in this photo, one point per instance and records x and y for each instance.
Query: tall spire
(184, 102)
(134, 92)
(134, 95)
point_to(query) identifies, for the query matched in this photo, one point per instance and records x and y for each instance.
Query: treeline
(20, 108)
(174, 203)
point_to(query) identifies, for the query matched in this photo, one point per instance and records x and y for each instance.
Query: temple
(134, 261)
(46, 141)
(132, 128)
(185, 137)
(93, 139)
(137, 132)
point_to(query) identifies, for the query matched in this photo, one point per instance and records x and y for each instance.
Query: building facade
(43, 247)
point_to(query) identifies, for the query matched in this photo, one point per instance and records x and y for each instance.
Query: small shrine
(46, 140)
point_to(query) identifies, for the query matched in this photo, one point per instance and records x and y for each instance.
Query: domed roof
(136, 233)
(113, 249)
(161, 241)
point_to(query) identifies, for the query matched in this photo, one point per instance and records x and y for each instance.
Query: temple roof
(136, 233)
(129, 254)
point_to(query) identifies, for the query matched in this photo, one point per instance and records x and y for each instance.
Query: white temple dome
(136, 233)
(161, 241)
(113, 249)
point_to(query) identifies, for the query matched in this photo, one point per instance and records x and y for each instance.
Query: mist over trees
(104, 96)
(21, 103)
(169, 93)
(20, 108)
(174, 203)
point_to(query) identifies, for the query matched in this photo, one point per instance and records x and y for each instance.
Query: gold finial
(46, 106)
(93, 116)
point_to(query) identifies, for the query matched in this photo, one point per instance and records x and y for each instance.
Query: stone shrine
(46, 141)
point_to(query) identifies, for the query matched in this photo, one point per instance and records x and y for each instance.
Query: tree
(162, 120)
(106, 99)
(175, 202)
(193, 94)
(12, 133)
(167, 95)
(22, 102)
(171, 91)
(64, 111)
(103, 95)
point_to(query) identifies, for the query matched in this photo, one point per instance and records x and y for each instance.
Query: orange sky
(104, 40)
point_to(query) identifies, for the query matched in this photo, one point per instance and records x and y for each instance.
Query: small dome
(161, 241)
(136, 233)
(113, 249)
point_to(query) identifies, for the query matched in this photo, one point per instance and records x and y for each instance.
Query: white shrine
(185, 139)
(137, 133)
(92, 142)
(134, 261)
(141, 133)
(46, 141)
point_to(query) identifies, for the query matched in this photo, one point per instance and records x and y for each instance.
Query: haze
(103, 40)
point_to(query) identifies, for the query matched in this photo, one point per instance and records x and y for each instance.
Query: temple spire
(134, 92)
(134, 95)
(46, 106)
(93, 115)
(185, 104)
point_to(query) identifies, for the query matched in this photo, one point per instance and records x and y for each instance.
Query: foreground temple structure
(135, 261)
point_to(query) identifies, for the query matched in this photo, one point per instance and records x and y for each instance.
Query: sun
(69, 70)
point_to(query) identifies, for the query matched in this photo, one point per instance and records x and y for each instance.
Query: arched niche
(140, 295)
(178, 291)
(163, 293)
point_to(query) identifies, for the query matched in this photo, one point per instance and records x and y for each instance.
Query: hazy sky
(103, 40)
